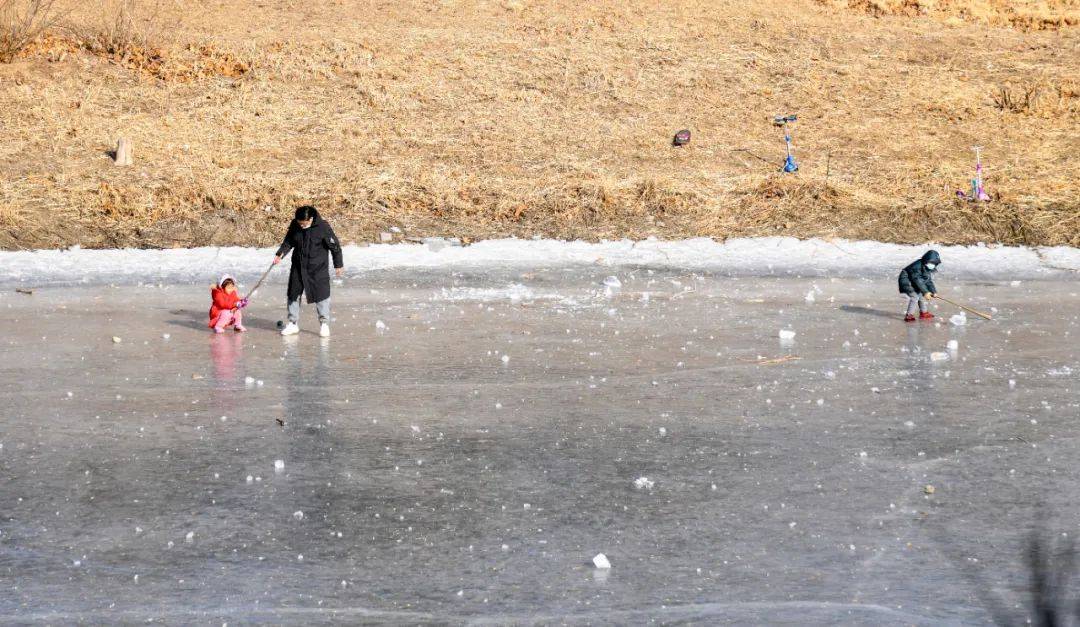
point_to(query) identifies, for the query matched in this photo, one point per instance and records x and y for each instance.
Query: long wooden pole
(260, 281)
(974, 311)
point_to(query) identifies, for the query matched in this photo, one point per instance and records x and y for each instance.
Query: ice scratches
(807, 612)
(515, 292)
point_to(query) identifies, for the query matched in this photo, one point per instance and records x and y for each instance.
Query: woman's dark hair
(307, 212)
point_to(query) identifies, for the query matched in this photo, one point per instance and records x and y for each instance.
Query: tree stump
(123, 152)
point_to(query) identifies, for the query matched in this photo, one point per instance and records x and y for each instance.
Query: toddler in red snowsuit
(225, 306)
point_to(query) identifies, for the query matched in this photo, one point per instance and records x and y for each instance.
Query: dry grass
(497, 118)
(1022, 14)
(21, 22)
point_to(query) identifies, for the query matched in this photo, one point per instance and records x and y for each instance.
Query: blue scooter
(783, 121)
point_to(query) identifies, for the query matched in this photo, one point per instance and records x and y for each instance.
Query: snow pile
(766, 256)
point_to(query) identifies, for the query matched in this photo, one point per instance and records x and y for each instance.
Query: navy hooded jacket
(917, 279)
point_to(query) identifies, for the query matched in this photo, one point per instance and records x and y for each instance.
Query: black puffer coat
(917, 279)
(310, 272)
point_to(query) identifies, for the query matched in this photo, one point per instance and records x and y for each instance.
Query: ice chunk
(190, 537)
(165, 336)
(601, 561)
(644, 483)
(279, 465)
(953, 345)
(115, 339)
(249, 380)
(787, 334)
(938, 356)
(612, 284)
(299, 515)
(959, 319)
(506, 359)
(380, 325)
(810, 296)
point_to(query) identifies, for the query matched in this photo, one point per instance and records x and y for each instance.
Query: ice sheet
(438, 484)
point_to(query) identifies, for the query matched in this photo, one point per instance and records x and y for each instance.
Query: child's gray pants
(322, 307)
(914, 302)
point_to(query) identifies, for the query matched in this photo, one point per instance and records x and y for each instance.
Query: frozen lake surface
(465, 460)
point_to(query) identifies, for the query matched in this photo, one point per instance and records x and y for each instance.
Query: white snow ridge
(783, 256)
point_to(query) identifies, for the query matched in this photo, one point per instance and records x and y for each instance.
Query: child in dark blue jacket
(917, 283)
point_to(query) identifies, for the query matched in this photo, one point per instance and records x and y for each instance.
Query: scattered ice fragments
(601, 561)
(959, 319)
(938, 356)
(644, 483)
(279, 465)
(787, 334)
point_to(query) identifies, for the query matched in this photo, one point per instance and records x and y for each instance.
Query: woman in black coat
(312, 240)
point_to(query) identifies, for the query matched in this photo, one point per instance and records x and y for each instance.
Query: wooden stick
(260, 281)
(969, 309)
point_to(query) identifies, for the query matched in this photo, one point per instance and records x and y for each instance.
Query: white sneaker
(290, 329)
(324, 330)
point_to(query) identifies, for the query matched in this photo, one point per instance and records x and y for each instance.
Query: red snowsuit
(222, 302)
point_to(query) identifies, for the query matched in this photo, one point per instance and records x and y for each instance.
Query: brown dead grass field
(492, 118)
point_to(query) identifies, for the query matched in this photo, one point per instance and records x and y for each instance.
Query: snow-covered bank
(769, 256)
